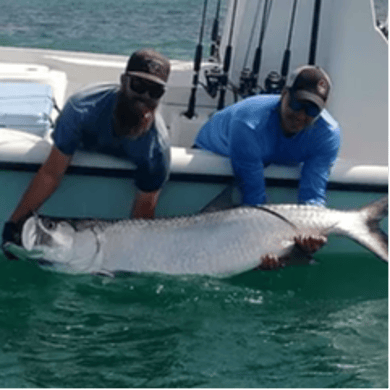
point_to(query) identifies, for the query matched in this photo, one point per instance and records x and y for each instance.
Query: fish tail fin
(365, 228)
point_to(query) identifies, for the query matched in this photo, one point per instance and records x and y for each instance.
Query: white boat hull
(103, 187)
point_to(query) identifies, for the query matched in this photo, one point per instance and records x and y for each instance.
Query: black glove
(11, 234)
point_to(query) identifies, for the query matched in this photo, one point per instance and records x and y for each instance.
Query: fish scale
(221, 243)
(215, 243)
(315, 218)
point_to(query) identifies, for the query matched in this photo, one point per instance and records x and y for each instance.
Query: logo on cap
(322, 87)
(154, 67)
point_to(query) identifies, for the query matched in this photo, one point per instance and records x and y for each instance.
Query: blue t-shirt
(87, 122)
(250, 133)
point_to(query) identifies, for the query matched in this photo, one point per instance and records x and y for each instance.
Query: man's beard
(132, 115)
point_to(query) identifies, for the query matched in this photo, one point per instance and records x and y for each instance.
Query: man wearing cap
(289, 129)
(114, 119)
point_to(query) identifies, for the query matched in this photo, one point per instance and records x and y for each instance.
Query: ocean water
(317, 326)
(113, 26)
(105, 26)
(314, 326)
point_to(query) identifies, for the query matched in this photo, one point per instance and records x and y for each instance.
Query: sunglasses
(141, 86)
(310, 109)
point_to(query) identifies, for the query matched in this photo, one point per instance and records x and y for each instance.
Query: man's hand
(41, 187)
(310, 244)
(270, 262)
(307, 244)
(11, 235)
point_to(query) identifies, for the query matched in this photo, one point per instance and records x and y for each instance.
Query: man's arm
(314, 180)
(247, 163)
(145, 204)
(44, 183)
(317, 167)
(313, 184)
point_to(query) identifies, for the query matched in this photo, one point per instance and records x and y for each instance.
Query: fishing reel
(213, 77)
(248, 84)
(274, 83)
(214, 50)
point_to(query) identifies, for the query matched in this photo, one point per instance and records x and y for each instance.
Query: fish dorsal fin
(222, 201)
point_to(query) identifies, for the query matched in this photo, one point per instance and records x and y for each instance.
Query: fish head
(48, 239)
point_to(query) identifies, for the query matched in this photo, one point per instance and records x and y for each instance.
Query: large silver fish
(221, 243)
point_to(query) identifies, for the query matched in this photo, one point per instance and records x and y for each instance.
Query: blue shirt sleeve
(68, 129)
(247, 162)
(153, 171)
(317, 167)
(151, 154)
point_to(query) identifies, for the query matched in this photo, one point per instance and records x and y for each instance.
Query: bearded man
(113, 119)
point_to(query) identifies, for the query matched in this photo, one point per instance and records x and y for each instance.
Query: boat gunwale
(193, 177)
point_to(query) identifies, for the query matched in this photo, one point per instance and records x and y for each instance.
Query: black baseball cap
(310, 83)
(149, 64)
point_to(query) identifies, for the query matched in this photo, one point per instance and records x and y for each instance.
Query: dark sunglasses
(310, 109)
(141, 86)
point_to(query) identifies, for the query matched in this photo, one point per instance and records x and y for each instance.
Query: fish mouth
(34, 234)
(29, 233)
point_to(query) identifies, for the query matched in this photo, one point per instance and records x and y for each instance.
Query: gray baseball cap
(310, 83)
(150, 65)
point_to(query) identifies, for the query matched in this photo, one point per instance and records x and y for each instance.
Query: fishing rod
(259, 50)
(314, 32)
(246, 79)
(252, 33)
(197, 61)
(248, 85)
(287, 52)
(215, 38)
(227, 60)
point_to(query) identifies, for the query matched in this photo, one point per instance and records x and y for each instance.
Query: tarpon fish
(221, 243)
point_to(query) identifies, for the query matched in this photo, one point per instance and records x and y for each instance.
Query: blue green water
(106, 26)
(321, 325)
(112, 26)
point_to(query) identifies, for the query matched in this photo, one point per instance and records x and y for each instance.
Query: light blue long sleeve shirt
(250, 133)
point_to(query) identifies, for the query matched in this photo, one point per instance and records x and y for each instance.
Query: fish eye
(49, 224)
